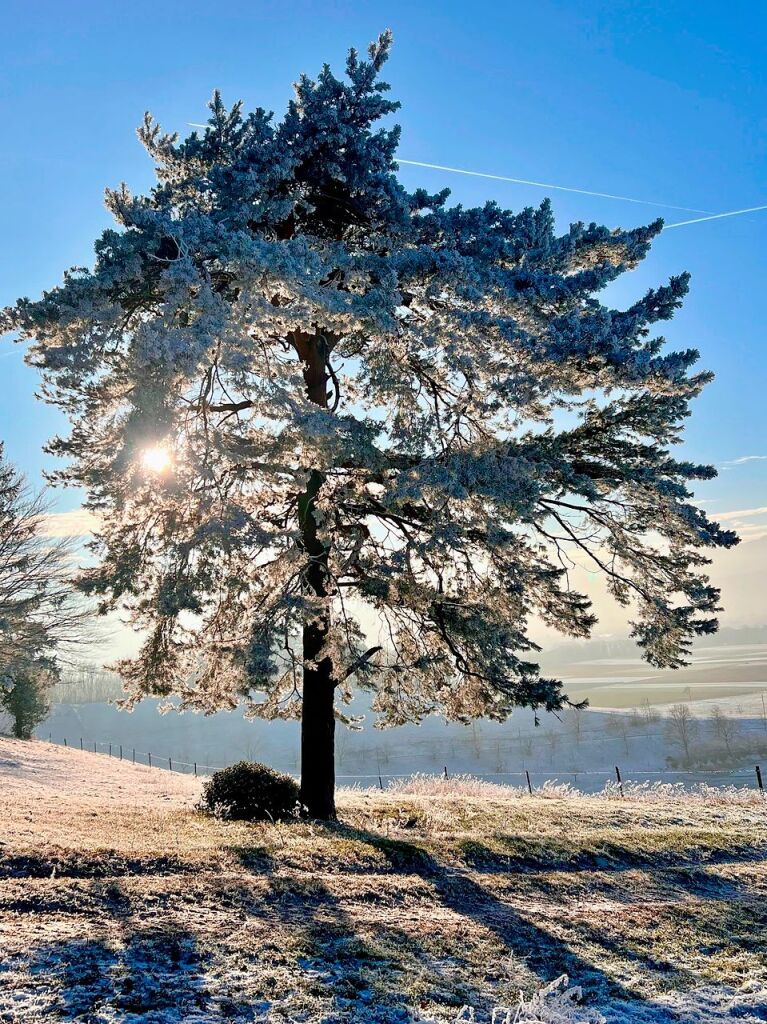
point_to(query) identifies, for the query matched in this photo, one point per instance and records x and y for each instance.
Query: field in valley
(120, 903)
(728, 677)
(732, 674)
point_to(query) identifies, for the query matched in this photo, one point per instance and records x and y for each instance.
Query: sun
(156, 459)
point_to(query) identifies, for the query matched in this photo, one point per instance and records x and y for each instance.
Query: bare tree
(40, 618)
(618, 725)
(682, 726)
(574, 723)
(552, 737)
(651, 714)
(725, 728)
(86, 683)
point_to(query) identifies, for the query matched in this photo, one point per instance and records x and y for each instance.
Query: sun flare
(156, 459)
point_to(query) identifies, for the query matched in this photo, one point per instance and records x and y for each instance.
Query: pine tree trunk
(318, 724)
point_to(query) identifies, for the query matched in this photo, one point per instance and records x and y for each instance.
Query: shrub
(249, 791)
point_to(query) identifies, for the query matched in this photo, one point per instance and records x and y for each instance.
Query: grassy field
(635, 683)
(120, 902)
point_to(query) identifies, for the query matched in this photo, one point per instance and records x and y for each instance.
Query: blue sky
(659, 101)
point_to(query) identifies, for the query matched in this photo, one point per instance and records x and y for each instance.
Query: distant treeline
(86, 684)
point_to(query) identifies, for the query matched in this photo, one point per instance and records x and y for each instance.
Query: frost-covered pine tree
(298, 391)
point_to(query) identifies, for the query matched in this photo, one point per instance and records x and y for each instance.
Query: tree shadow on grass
(722, 926)
(69, 864)
(669, 883)
(380, 975)
(70, 980)
(156, 972)
(543, 948)
(376, 975)
(160, 969)
(139, 973)
(695, 908)
(603, 855)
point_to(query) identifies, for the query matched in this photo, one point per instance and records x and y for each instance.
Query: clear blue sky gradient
(663, 101)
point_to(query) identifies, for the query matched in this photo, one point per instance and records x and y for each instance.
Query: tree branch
(362, 660)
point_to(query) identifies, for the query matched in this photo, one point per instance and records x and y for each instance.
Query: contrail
(714, 216)
(580, 191)
(561, 188)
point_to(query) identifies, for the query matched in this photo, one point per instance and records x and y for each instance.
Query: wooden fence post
(620, 780)
(759, 779)
(529, 783)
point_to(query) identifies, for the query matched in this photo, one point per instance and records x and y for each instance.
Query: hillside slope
(118, 902)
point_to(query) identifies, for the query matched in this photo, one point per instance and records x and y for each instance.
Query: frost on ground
(119, 903)
(49, 771)
(653, 792)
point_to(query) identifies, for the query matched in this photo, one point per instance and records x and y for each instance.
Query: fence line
(557, 772)
(526, 774)
(111, 749)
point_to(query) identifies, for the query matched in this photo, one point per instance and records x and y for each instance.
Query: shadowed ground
(140, 909)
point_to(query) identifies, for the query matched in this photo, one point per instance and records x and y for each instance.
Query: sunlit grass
(415, 903)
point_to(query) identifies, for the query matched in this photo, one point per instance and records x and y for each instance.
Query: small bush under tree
(249, 791)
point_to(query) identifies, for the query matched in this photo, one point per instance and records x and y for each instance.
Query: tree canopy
(297, 389)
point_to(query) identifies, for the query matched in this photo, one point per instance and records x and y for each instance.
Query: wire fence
(587, 779)
(133, 755)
